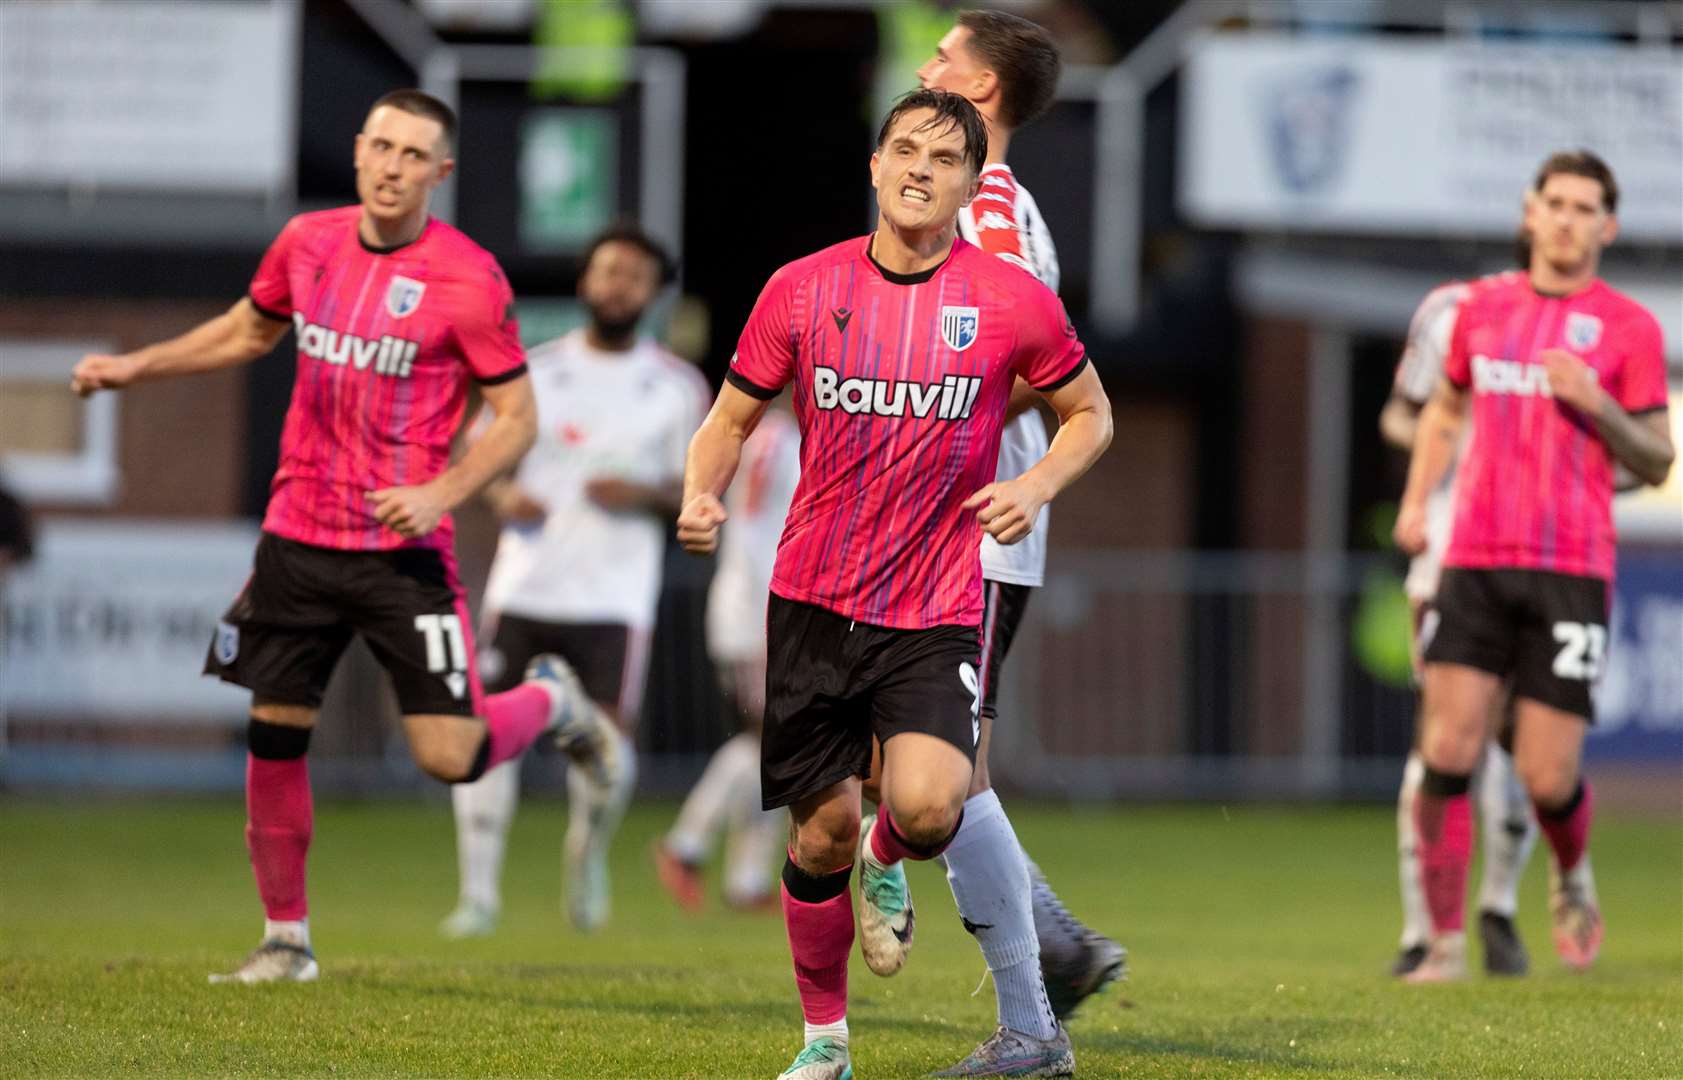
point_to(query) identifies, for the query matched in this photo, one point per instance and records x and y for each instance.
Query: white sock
(1510, 831)
(484, 810)
(990, 883)
(1417, 921)
(710, 801)
(1058, 931)
(837, 1031)
(292, 931)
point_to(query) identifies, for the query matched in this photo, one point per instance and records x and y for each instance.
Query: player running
(394, 313)
(1509, 832)
(577, 569)
(1008, 68)
(727, 795)
(1567, 379)
(902, 347)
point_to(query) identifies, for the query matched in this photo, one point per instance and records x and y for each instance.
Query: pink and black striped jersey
(900, 387)
(1535, 486)
(387, 339)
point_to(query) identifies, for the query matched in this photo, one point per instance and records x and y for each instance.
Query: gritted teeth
(914, 193)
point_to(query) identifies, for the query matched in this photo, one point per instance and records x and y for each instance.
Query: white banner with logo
(177, 94)
(112, 620)
(1356, 134)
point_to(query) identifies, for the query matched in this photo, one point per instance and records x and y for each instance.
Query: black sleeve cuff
(508, 376)
(267, 313)
(1663, 406)
(1065, 378)
(749, 387)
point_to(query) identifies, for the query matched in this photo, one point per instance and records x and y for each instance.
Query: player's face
(1567, 223)
(400, 158)
(619, 284)
(954, 67)
(921, 174)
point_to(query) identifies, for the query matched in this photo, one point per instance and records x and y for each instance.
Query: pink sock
(1568, 827)
(1444, 830)
(889, 846)
(514, 719)
(279, 821)
(820, 938)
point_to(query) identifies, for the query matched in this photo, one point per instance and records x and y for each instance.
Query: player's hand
(1410, 530)
(408, 511)
(698, 524)
(1007, 509)
(1571, 381)
(514, 505)
(614, 493)
(99, 371)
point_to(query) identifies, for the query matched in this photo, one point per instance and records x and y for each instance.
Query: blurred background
(1248, 198)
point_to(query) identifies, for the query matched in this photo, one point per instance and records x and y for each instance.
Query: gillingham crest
(403, 296)
(1582, 331)
(958, 326)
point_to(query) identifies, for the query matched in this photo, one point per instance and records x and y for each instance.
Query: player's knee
(1448, 748)
(443, 760)
(927, 823)
(1549, 782)
(819, 848)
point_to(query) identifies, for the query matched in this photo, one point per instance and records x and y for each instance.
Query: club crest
(403, 296)
(1582, 331)
(227, 642)
(959, 325)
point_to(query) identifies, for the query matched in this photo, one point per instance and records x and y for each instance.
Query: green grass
(1259, 939)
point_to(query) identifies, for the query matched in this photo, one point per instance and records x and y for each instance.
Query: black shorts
(1003, 605)
(1546, 631)
(287, 629)
(832, 683)
(611, 658)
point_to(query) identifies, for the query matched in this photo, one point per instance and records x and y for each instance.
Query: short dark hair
(951, 110)
(1581, 163)
(626, 232)
(421, 103)
(1024, 57)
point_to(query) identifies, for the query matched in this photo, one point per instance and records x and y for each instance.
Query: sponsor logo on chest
(1513, 377)
(386, 355)
(950, 399)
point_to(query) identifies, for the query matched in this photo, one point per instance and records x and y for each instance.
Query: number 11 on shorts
(439, 630)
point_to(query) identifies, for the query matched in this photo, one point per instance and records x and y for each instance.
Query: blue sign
(1639, 702)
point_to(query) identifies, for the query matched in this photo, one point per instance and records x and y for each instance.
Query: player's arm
(1399, 420)
(1007, 509)
(617, 493)
(1023, 398)
(237, 336)
(1641, 443)
(1434, 449)
(415, 510)
(715, 452)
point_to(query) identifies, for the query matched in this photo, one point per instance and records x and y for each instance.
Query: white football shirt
(628, 415)
(758, 502)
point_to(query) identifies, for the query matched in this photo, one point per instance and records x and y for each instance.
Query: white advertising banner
(148, 94)
(1355, 134)
(112, 619)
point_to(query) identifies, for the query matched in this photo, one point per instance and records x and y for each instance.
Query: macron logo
(1493, 376)
(949, 399)
(388, 356)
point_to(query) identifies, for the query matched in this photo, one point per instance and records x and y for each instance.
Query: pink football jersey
(900, 387)
(387, 339)
(1535, 487)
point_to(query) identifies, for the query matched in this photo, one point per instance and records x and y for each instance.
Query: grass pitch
(1259, 939)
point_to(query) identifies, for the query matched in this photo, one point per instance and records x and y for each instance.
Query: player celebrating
(903, 347)
(1509, 833)
(728, 793)
(1567, 379)
(577, 569)
(394, 312)
(1008, 68)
